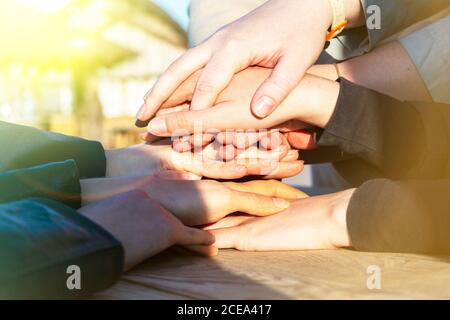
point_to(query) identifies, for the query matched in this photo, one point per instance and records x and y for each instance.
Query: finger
(148, 137)
(229, 221)
(285, 170)
(226, 137)
(270, 188)
(284, 78)
(194, 236)
(256, 204)
(221, 117)
(243, 140)
(202, 166)
(177, 175)
(292, 155)
(201, 140)
(271, 141)
(214, 78)
(258, 166)
(165, 125)
(227, 238)
(300, 139)
(257, 153)
(183, 107)
(178, 71)
(194, 141)
(207, 251)
(227, 152)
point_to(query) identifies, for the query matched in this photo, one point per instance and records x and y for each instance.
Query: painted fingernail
(141, 124)
(264, 106)
(158, 127)
(281, 203)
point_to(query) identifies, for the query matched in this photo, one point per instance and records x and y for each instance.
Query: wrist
(114, 161)
(314, 100)
(338, 217)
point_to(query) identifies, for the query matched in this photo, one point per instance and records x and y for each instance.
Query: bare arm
(387, 69)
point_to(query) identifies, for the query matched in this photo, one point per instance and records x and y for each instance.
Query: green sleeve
(40, 239)
(24, 147)
(58, 181)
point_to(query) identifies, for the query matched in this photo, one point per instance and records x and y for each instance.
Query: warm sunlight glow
(47, 5)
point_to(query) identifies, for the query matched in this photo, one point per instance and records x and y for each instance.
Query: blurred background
(81, 67)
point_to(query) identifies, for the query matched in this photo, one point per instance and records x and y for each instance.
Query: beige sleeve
(207, 16)
(429, 49)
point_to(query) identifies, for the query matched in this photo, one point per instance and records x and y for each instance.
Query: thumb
(256, 204)
(278, 85)
(192, 236)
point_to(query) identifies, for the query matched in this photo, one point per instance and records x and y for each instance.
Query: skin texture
(309, 223)
(144, 228)
(290, 47)
(311, 102)
(202, 201)
(387, 69)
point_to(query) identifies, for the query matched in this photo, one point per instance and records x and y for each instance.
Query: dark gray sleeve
(401, 216)
(400, 139)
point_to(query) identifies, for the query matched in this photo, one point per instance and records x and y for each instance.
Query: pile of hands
(211, 117)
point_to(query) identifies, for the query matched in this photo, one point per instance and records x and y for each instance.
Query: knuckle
(205, 87)
(231, 45)
(179, 122)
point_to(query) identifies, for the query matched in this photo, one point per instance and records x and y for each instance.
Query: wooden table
(334, 274)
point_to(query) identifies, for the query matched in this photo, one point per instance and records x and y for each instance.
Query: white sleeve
(429, 49)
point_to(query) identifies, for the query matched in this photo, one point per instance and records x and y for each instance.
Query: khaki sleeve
(207, 16)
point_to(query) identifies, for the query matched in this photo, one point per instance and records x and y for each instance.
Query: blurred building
(46, 97)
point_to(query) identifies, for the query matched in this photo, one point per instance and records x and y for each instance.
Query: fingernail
(281, 203)
(264, 106)
(141, 124)
(158, 127)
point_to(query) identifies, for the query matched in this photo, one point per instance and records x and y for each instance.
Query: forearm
(387, 69)
(400, 139)
(400, 216)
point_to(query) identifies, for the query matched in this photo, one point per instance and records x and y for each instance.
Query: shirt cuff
(41, 238)
(58, 181)
(385, 216)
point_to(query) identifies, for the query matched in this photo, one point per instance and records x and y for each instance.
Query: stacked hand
(285, 35)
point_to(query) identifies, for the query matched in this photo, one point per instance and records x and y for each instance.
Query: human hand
(312, 102)
(290, 45)
(238, 146)
(149, 159)
(144, 228)
(198, 202)
(310, 223)
(207, 201)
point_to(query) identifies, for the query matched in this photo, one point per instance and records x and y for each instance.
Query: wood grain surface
(325, 274)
